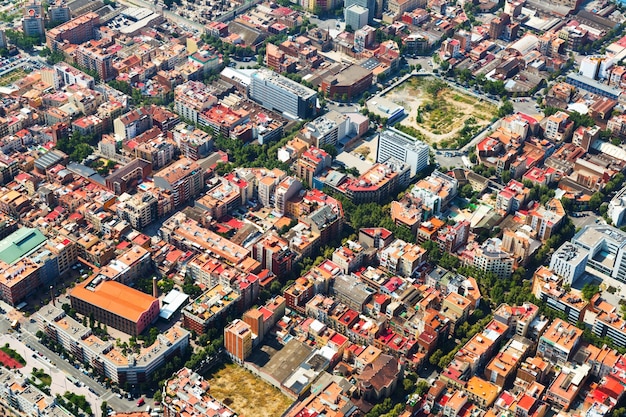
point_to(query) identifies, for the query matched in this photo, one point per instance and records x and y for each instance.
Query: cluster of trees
(77, 146)
(51, 57)
(599, 197)
(436, 257)
(209, 345)
(74, 403)
(371, 215)
(505, 109)
(249, 155)
(22, 41)
(190, 288)
(464, 333)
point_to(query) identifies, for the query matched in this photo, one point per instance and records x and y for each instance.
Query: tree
(505, 109)
(595, 201)
(435, 357)
(589, 290)
(104, 408)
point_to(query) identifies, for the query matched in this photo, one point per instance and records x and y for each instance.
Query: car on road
(140, 402)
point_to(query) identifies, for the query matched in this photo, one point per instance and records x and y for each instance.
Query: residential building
(33, 19)
(59, 12)
(78, 30)
(559, 342)
(191, 99)
(184, 179)
(611, 325)
(238, 340)
(132, 124)
(139, 210)
(558, 127)
(490, 257)
(546, 219)
(273, 253)
(311, 163)
(282, 94)
(103, 356)
(512, 197)
(210, 309)
(567, 386)
(129, 176)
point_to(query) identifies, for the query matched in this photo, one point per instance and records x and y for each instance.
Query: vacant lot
(12, 77)
(438, 112)
(247, 394)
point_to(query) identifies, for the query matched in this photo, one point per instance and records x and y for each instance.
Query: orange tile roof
(115, 297)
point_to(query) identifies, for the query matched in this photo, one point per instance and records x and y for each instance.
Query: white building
(569, 262)
(607, 249)
(276, 92)
(413, 152)
(356, 16)
(617, 208)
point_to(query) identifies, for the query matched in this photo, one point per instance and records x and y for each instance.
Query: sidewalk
(60, 383)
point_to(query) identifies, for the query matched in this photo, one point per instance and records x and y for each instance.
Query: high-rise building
(75, 31)
(238, 340)
(369, 5)
(413, 152)
(280, 93)
(58, 12)
(32, 21)
(356, 16)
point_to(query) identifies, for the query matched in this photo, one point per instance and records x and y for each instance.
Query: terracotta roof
(115, 297)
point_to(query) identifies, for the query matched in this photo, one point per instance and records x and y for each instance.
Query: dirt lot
(439, 114)
(246, 394)
(12, 77)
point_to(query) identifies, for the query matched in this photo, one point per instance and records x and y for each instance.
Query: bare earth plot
(246, 394)
(439, 112)
(12, 77)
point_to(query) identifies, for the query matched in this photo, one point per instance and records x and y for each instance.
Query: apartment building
(273, 253)
(139, 210)
(132, 124)
(311, 163)
(559, 342)
(191, 99)
(328, 129)
(33, 19)
(76, 31)
(238, 340)
(103, 356)
(210, 309)
(184, 179)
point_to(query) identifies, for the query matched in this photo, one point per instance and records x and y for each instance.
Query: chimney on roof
(155, 290)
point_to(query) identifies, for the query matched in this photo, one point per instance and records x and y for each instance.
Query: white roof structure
(171, 303)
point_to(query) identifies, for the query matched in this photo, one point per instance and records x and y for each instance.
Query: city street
(57, 368)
